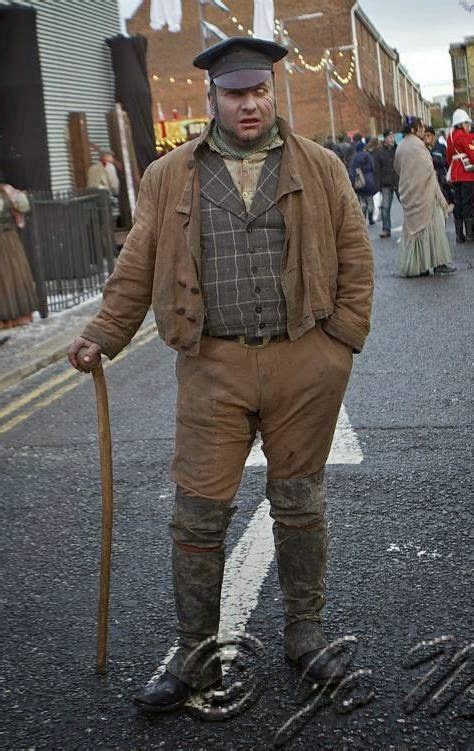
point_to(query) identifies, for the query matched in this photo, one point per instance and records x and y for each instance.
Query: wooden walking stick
(105, 446)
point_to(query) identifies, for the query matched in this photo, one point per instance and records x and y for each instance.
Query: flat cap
(240, 62)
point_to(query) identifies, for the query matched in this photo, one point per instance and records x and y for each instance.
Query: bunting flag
(218, 4)
(165, 12)
(263, 19)
(210, 29)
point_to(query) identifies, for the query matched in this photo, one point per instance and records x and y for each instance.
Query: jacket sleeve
(376, 161)
(467, 145)
(127, 293)
(350, 320)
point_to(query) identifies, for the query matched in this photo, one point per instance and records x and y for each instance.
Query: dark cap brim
(239, 53)
(242, 79)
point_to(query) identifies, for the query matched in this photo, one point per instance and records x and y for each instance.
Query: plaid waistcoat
(241, 252)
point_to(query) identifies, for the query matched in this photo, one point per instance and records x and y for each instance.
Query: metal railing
(69, 243)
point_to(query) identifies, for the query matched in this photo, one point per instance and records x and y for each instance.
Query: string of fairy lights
(299, 64)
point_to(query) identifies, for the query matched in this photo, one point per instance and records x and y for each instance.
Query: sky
(421, 31)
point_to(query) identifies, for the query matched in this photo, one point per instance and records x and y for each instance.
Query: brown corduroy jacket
(326, 275)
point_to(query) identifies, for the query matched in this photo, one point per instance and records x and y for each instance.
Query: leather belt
(254, 342)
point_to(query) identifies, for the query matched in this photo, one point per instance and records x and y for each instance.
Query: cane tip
(86, 361)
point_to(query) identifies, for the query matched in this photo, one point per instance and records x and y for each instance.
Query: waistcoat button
(190, 163)
(195, 290)
(180, 311)
(258, 308)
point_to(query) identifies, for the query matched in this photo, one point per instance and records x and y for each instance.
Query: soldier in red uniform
(460, 155)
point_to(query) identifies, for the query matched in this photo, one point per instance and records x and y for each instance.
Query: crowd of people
(431, 176)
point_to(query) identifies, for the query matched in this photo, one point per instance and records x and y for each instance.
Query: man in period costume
(250, 245)
(103, 174)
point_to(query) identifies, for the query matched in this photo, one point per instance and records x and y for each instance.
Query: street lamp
(282, 21)
(331, 83)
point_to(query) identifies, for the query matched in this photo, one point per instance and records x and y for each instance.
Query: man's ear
(212, 104)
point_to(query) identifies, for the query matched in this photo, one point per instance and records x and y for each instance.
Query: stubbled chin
(249, 134)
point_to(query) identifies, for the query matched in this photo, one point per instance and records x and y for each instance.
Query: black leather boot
(298, 508)
(198, 529)
(459, 225)
(163, 694)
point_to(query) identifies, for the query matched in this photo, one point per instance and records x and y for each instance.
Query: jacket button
(174, 340)
(191, 163)
(195, 290)
(180, 311)
(181, 283)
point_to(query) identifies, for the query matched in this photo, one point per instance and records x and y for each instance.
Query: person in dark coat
(345, 149)
(440, 162)
(362, 175)
(386, 179)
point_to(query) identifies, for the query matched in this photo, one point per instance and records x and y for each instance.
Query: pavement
(42, 342)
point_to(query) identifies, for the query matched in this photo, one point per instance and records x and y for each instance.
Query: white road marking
(345, 446)
(250, 560)
(397, 229)
(408, 548)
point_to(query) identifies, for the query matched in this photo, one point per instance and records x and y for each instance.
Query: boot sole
(159, 709)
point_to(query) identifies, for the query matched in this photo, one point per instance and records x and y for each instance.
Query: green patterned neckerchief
(267, 141)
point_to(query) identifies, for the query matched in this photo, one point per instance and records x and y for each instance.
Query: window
(460, 70)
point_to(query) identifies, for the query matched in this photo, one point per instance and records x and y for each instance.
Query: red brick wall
(170, 55)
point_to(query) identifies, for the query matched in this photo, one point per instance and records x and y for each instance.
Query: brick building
(376, 93)
(462, 61)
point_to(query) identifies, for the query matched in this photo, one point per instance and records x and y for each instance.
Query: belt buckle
(265, 341)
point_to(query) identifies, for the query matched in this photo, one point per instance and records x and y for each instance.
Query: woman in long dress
(424, 243)
(17, 289)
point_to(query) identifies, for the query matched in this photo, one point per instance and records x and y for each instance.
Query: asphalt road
(400, 557)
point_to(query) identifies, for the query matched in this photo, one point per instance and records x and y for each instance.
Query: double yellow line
(53, 389)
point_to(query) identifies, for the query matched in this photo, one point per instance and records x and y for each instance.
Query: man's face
(429, 139)
(107, 158)
(246, 114)
(389, 140)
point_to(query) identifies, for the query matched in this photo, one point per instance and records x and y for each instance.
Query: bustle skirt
(18, 297)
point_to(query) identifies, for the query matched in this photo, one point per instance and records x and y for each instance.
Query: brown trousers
(289, 391)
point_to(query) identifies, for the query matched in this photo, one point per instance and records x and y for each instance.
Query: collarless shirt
(245, 173)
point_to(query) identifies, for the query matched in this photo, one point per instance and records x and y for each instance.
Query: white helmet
(460, 116)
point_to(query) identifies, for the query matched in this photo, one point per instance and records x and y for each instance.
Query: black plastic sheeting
(132, 90)
(24, 158)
